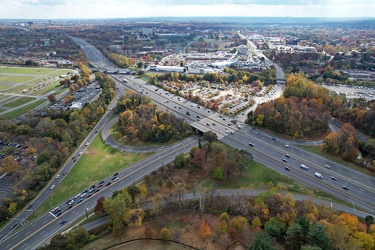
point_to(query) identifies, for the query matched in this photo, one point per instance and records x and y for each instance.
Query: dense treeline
(305, 110)
(219, 160)
(232, 76)
(50, 139)
(143, 120)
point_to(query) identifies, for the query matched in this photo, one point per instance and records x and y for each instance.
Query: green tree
(261, 241)
(180, 161)
(294, 236)
(117, 207)
(275, 228)
(319, 238)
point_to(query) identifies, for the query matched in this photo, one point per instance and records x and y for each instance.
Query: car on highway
(80, 200)
(13, 225)
(87, 144)
(319, 175)
(287, 155)
(285, 160)
(63, 222)
(109, 183)
(286, 145)
(116, 179)
(80, 153)
(69, 207)
(101, 182)
(303, 166)
(83, 195)
(52, 187)
(250, 144)
(58, 214)
(333, 178)
(346, 188)
(327, 166)
(287, 168)
(99, 186)
(57, 176)
(273, 138)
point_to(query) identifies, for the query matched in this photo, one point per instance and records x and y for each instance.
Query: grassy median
(98, 161)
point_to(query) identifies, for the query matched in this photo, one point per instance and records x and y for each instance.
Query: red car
(100, 185)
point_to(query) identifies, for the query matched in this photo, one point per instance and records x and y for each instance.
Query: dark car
(58, 214)
(69, 207)
(29, 206)
(80, 200)
(345, 187)
(63, 222)
(101, 182)
(250, 144)
(115, 174)
(284, 160)
(287, 168)
(14, 225)
(109, 183)
(333, 178)
(287, 155)
(273, 138)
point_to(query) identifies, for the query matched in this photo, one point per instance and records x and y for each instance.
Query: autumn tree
(165, 234)
(99, 209)
(10, 165)
(205, 229)
(238, 223)
(52, 98)
(149, 232)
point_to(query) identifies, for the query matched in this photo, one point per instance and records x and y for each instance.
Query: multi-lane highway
(266, 149)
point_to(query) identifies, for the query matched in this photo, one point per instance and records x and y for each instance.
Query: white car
(327, 166)
(57, 176)
(52, 187)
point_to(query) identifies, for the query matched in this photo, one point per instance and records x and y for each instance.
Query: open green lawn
(98, 161)
(24, 70)
(255, 173)
(22, 110)
(19, 101)
(16, 79)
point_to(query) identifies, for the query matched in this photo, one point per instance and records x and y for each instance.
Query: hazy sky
(56, 9)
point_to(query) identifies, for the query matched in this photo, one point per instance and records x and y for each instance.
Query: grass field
(23, 110)
(18, 102)
(24, 70)
(16, 79)
(98, 161)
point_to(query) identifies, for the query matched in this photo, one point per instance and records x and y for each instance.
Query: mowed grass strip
(18, 102)
(17, 79)
(22, 70)
(15, 113)
(97, 162)
(255, 173)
